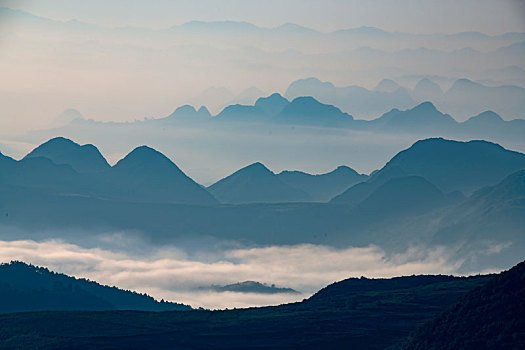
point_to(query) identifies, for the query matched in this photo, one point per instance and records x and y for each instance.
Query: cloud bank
(171, 274)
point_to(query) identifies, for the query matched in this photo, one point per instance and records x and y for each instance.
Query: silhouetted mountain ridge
(86, 158)
(488, 317)
(255, 183)
(31, 288)
(323, 187)
(344, 314)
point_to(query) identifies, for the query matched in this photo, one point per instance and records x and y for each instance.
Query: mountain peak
(146, 159)
(486, 117)
(343, 169)
(185, 109)
(255, 183)
(427, 89)
(464, 83)
(428, 85)
(188, 112)
(147, 174)
(425, 107)
(60, 150)
(455, 165)
(203, 110)
(256, 167)
(146, 153)
(272, 104)
(387, 85)
(306, 110)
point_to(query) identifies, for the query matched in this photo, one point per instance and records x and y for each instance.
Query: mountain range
(146, 175)
(199, 30)
(278, 112)
(464, 98)
(450, 165)
(256, 183)
(271, 57)
(468, 190)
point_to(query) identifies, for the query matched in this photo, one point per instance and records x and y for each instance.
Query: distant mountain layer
(355, 313)
(29, 288)
(353, 99)
(489, 317)
(307, 111)
(463, 99)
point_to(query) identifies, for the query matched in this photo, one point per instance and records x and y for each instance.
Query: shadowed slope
(29, 288)
(146, 174)
(489, 317)
(255, 183)
(322, 187)
(86, 158)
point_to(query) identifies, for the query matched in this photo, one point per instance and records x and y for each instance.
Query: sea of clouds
(174, 274)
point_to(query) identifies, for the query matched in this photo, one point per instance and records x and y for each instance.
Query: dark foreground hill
(29, 288)
(490, 317)
(357, 313)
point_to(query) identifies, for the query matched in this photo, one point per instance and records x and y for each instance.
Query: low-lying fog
(185, 273)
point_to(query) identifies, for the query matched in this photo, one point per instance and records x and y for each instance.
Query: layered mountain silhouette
(387, 85)
(264, 110)
(277, 109)
(276, 112)
(427, 90)
(187, 113)
(309, 111)
(469, 97)
(322, 187)
(255, 183)
(352, 99)
(83, 159)
(149, 175)
(63, 167)
(392, 208)
(464, 98)
(449, 165)
(30, 288)
(423, 117)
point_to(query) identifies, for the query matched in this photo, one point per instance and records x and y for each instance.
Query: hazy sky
(125, 75)
(417, 16)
